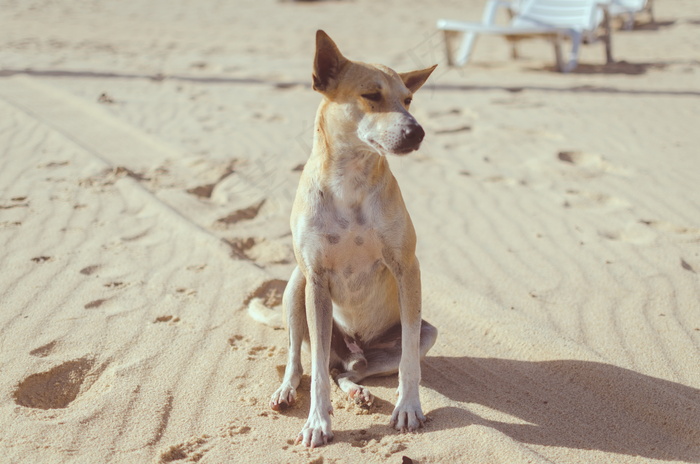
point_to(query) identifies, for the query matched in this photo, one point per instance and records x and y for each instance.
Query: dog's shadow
(569, 403)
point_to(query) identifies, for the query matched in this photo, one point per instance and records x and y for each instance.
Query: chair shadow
(619, 67)
(616, 67)
(646, 26)
(570, 403)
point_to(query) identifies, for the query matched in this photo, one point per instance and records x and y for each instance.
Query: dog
(355, 295)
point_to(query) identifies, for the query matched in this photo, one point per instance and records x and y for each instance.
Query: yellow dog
(355, 295)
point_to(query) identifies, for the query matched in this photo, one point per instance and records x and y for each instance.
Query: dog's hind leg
(295, 309)
(382, 357)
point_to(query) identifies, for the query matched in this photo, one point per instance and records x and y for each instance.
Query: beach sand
(149, 154)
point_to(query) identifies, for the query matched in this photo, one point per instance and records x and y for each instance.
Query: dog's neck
(349, 169)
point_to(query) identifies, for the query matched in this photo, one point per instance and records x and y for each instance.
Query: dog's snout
(399, 134)
(413, 133)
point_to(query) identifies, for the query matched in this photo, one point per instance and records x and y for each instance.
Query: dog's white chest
(351, 251)
(361, 286)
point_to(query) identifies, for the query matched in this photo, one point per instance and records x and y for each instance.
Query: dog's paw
(361, 397)
(407, 416)
(316, 431)
(284, 397)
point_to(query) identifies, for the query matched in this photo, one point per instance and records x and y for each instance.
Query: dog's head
(372, 100)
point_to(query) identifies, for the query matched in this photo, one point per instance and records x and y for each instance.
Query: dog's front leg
(408, 415)
(293, 302)
(317, 430)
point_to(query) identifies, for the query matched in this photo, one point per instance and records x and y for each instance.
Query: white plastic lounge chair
(555, 20)
(628, 9)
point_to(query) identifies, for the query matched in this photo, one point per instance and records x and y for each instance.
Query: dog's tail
(271, 317)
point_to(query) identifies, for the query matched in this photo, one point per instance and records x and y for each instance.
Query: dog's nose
(413, 134)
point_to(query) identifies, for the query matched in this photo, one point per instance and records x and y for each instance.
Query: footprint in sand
(454, 129)
(260, 351)
(232, 429)
(96, 303)
(383, 446)
(685, 265)
(590, 164)
(108, 177)
(186, 292)
(244, 214)
(239, 342)
(116, 284)
(596, 201)
(89, 270)
(633, 233)
(686, 234)
(44, 350)
(502, 180)
(16, 202)
(56, 388)
(647, 231)
(204, 191)
(262, 252)
(54, 164)
(168, 318)
(240, 246)
(451, 121)
(193, 450)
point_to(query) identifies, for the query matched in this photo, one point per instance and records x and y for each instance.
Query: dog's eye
(375, 97)
(408, 101)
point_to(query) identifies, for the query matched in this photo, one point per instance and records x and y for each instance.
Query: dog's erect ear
(327, 63)
(414, 80)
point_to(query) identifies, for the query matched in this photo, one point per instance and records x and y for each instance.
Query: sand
(149, 153)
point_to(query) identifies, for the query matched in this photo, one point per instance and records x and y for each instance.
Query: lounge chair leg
(513, 43)
(448, 48)
(464, 52)
(514, 50)
(557, 54)
(576, 39)
(608, 37)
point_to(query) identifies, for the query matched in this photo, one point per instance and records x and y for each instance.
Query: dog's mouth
(377, 146)
(406, 150)
(399, 142)
(400, 150)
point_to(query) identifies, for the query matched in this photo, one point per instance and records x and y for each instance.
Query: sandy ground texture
(149, 153)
